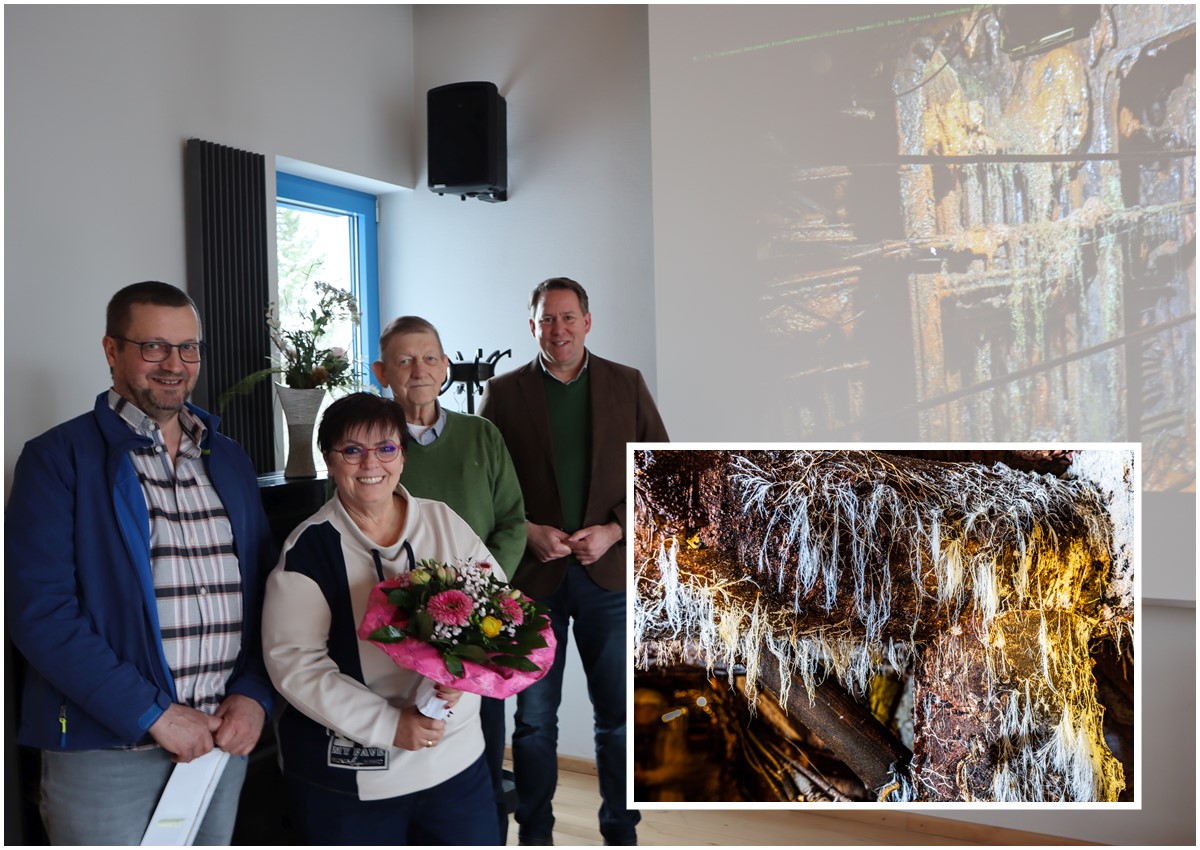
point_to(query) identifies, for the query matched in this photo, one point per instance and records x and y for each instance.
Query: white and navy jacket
(345, 694)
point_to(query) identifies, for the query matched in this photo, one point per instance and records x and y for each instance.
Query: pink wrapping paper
(497, 682)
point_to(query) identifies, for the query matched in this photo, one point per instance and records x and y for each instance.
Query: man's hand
(242, 721)
(184, 732)
(589, 544)
(547, 542)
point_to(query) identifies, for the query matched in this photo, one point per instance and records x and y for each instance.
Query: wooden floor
(577, 800)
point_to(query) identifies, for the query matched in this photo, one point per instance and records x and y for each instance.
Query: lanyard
(412, 562)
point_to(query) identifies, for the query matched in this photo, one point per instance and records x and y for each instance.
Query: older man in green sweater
(460, 460)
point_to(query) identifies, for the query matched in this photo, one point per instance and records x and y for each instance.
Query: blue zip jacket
(79, 593)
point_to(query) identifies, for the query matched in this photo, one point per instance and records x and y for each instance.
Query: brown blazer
(622, 412)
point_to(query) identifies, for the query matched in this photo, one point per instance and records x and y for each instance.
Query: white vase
(300, 408)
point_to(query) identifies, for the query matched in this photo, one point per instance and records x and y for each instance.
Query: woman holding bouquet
(363, 764)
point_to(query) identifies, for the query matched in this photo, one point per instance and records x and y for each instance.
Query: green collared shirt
(582, 372)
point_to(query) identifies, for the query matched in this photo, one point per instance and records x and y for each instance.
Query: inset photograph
(885, 625)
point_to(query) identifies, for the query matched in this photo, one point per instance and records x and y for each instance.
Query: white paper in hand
(428, 702)
(184, 801)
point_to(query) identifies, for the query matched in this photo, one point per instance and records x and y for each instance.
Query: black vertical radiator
(227, 247)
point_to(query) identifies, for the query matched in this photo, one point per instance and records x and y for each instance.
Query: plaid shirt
(197, 580)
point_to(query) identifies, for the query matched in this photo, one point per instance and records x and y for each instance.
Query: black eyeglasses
(354, 455)
(157, 352)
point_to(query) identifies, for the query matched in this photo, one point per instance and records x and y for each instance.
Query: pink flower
(403, 580)
(511, 609)
(451, 608)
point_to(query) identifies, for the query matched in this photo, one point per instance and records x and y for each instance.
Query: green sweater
(469, 468)
(568, 406)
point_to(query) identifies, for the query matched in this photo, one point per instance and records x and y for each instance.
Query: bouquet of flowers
(304, 361)
(461, 626)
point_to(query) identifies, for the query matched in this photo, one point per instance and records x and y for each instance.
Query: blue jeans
(458, 811)
(492, 720)
(108, 796)
(599, 617)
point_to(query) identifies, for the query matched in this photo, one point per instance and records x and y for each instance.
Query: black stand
(472, 374)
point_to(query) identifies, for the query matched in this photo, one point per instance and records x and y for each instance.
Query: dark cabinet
(263, 817)
(290, 501)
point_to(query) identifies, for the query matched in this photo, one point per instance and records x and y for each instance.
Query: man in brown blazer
(566, 418)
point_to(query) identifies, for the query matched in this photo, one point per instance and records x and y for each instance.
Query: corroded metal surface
(1045, 215)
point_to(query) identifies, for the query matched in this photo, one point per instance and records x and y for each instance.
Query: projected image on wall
(934, 223)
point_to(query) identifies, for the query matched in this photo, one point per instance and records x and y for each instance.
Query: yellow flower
(420, 577)
(490, 626)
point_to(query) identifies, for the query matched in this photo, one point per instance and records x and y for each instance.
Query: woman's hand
(415, 731)
(449, 695)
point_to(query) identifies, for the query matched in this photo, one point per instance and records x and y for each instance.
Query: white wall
(99, 103)
(579, 202)
(579, 181)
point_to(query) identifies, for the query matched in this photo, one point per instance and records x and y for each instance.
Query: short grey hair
(408, 325)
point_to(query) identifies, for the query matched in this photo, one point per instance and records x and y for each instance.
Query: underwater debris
(986, 585)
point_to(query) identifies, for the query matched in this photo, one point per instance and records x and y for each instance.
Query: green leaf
(453, 664)
(528, 638)
(516, 663)
(387, 634)
(424, 625)
(398, 596)
(245, 386)
(470, 651)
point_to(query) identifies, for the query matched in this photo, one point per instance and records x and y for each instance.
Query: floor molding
(910, 822)
(577, 765)
(573, 764)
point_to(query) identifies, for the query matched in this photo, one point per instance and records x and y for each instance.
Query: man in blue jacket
(135, 541)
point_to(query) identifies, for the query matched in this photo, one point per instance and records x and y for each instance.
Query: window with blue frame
(327, 235)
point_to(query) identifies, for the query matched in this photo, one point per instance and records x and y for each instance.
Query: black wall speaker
(468, 146)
